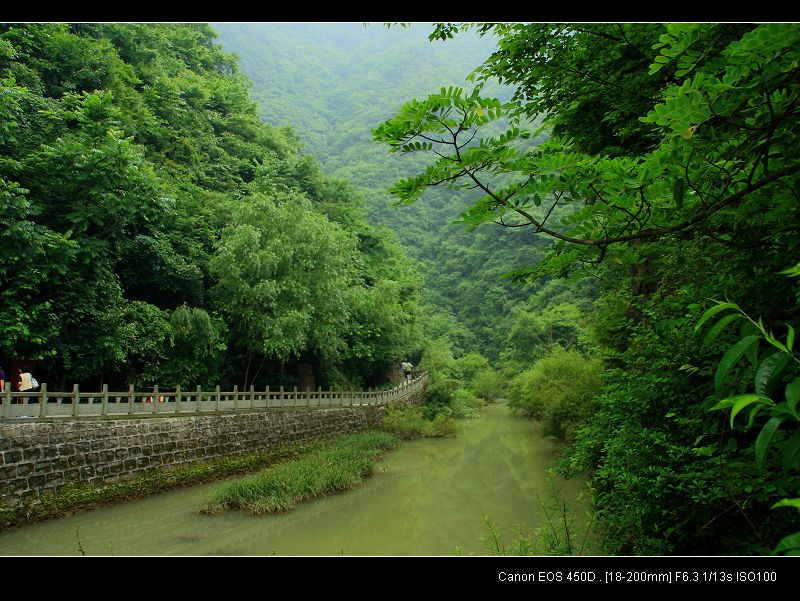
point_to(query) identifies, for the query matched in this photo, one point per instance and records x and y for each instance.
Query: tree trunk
(247, 369)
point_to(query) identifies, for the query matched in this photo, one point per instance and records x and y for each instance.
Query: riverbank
(73, 497)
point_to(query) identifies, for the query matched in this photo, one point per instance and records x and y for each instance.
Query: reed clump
(327, 468)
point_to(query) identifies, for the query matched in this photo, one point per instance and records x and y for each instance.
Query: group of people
(25, 380)
(406, 368)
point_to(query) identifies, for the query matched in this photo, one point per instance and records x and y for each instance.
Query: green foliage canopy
(725, 125)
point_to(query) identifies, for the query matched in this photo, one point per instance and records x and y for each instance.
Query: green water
(428, 499)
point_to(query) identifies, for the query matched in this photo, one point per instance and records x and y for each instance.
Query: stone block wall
(38, 456)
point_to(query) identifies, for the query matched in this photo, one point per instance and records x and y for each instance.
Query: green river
(428, 499)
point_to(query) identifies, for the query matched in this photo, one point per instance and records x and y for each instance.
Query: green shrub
(439, 395)
(559, 390)
(488, 385)
(408, 422)
(465, 404)
(470, 365)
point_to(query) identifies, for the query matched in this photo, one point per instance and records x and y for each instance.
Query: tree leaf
(765, 439)
(793, 394)
(753, 412)
(791, 453)
(769, 370)
(789, 545)
(787, 503)
(717, 328)
(730, 359)
(791, 271)
(713, 311)
(677, 191)
(724, 403)
(744, 400)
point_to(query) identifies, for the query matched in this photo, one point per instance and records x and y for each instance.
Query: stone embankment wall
(40, 456)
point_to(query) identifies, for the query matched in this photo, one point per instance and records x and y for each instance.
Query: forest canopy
(140, 189)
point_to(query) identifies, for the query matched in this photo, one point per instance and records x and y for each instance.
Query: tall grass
(327, 468)
(558, 536)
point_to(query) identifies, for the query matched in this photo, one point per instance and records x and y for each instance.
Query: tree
(282, 276)
(31, 255)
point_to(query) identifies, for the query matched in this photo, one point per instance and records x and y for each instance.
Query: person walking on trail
(406, 367)
(2, 380)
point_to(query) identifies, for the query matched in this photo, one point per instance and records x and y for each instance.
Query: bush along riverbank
(408, 422)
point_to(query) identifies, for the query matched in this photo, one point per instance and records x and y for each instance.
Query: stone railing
(77, 404)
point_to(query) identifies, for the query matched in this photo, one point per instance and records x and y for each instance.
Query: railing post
(236, 397)
(280, 404)
(319, 396)
(43, 400)
(199, 397)
(7, 407)
(75, 394)
(104, 405)
(177, 398)
(252, 396)
(294, 397)
(156, 399)
(130, 399)
(216, 405)
(266, 405)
